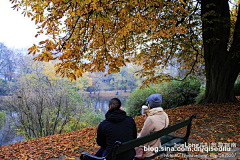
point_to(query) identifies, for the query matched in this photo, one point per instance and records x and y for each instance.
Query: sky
(16, 31)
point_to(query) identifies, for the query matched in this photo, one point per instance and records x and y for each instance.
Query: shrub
(200, 96)
(138, 98)
(174, 94)
(88, 118)
(190, 90)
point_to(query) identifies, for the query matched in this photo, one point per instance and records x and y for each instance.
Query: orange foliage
(214, 123)
(100, 35)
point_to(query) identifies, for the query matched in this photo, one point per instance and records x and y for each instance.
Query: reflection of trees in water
(8, 133)
(99, 103)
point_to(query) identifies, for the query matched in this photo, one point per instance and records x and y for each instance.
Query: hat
(154, 100)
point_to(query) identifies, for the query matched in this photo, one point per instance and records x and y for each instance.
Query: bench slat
(168, 144)
(142, 140)
(166, 140)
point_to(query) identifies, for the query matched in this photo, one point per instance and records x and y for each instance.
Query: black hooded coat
(117, 127)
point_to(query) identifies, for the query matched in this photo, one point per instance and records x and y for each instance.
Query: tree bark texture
(222, 63)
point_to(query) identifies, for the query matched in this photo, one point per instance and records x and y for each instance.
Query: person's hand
(144, 108)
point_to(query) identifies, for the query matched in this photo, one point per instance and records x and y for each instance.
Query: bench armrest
(189, 127)
(85, 154)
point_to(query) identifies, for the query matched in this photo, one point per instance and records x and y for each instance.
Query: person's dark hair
(114, 104)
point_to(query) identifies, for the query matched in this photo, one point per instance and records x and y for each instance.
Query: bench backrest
(122, 147)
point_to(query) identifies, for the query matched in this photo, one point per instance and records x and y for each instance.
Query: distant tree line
(8, 66)
(8, 62)
(124, 80)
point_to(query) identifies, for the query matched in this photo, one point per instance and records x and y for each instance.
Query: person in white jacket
(156, 120)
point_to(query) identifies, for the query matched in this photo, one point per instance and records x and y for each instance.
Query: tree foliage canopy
(103, 35)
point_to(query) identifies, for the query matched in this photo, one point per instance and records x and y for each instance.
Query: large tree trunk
(222, 65)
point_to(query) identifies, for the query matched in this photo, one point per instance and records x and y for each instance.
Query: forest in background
(39, 103)
(36, 102)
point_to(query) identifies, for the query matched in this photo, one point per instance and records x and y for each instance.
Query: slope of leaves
(214, 123)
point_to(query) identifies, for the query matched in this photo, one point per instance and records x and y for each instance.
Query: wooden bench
(166, 141)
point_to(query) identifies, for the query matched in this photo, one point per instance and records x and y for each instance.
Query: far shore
(107, 94)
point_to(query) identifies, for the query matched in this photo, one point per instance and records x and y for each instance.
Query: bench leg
(187, 155)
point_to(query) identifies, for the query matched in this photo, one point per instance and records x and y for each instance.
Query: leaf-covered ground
(214, 123)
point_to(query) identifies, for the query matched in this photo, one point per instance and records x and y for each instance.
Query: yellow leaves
(182, 1)
(183, 10)
(78, 72)
(88, 1)
(158, 34)
(82, 31)
(48, 70)
(33, 50)
(29, 14)
(181, 30)
(71, 76)
(175, 9)
(94, 6)
(57, 1)
(125, 30)
(89, 30)
(129, 25)
(139, 17)
(46, 56)
(43, 24)
(163, 34)
(73, 14)
(99, 9)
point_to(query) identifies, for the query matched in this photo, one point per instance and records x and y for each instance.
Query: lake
(99, 101)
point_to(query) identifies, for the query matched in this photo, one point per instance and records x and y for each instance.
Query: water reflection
(8, 134)
(101, 104)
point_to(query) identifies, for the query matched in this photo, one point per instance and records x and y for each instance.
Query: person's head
(114, 104)
(154, 100)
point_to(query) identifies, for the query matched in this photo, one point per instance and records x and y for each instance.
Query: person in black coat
(116, 127)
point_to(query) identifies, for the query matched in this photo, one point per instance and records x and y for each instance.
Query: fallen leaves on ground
(214, 123)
